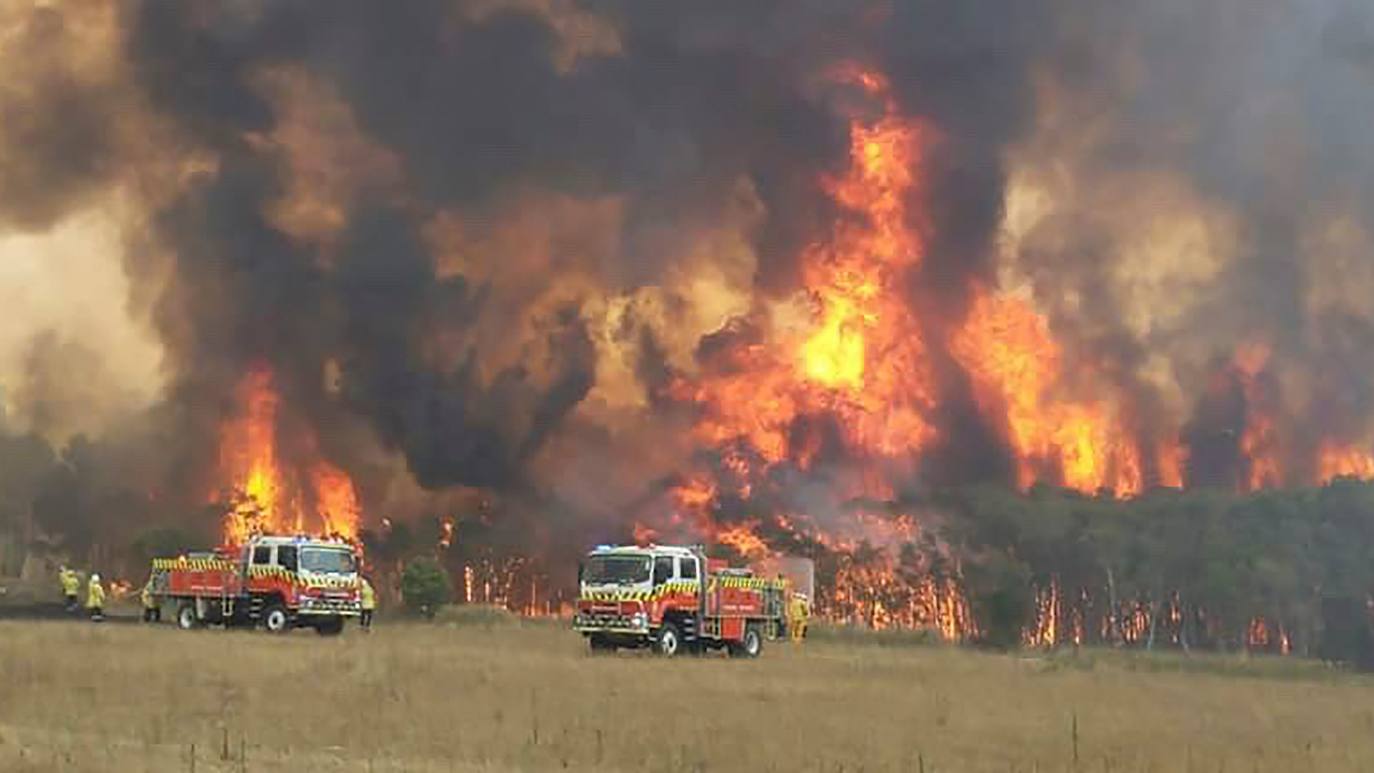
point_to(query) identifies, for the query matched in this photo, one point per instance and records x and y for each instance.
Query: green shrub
(1000, 600)
(425, 587)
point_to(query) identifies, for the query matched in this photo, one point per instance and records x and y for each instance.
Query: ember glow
(266, 494)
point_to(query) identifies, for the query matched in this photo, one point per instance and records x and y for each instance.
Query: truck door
(261, 557)
(689, 570)
(663, 570)
(663, 573)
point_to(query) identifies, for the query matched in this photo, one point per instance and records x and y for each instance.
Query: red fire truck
(675, 599)
(279, 583)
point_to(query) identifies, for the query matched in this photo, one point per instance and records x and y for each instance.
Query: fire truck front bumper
(332, 607)
(611, 622)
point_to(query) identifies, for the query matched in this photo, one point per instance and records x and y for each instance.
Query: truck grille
(328, 606)
(606, 621)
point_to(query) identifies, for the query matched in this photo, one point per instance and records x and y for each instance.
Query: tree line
(1207, 568)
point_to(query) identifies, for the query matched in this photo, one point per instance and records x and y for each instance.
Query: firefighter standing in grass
(152, 610)
(369, 604)
(71, 585)
(95, 599)
(798, 612)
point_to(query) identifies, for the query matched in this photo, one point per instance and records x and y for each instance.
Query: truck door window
(262, 555)
(687, 568)
(286, 557)
(663, 569)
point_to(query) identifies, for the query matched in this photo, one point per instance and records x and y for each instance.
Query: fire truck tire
(601, 645)
(186, 616)
(669, 641)
(276, 619)
(751, 646)
(332, 627)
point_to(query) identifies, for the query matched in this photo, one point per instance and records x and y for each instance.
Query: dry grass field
(492, 696)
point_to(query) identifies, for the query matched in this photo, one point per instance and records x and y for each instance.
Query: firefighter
(369, 604)
(71, 585)
(95, 599)
(152, 608)
(798, 611)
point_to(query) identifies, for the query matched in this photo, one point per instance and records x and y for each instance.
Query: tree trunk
(1113, 610)
(1154, 623)
(1183, 628)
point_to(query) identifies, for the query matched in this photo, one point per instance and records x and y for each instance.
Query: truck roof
(669, 550)
(314, 542)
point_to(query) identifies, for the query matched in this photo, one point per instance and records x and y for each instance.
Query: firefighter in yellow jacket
(95, 598)
(71, 585)
(798, 613)
(368, 597)
(152, 608)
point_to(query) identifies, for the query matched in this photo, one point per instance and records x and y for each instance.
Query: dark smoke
(473, 361)
(1255, 107)
(56, 144)
(474, 109)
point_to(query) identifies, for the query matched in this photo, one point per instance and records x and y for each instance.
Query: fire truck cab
(277, 582)
(675, 599)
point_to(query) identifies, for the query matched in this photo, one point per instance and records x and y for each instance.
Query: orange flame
(1014, 363)
(1335, 460)
(1170, 459)
(1259, 442)
(863, 358)
(866, 350)
(744, 541)
(336, 502)
(265, 496)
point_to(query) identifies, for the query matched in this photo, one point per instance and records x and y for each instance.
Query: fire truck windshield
(618, 570)
(328, 560)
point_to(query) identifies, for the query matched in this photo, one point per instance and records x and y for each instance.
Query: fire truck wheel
(332, 627)
(275, 619)
(601, 645)
(186, 616)
(669, 640)
(751, 646)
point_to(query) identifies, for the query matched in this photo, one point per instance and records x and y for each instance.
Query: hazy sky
(69, 282)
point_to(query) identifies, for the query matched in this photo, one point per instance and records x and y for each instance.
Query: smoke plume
(524, 246)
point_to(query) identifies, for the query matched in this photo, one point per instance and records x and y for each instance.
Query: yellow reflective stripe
(192, 564)
(667, 589)
(255, 571)
(751, 583)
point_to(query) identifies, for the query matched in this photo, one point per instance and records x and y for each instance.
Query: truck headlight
(639, 620)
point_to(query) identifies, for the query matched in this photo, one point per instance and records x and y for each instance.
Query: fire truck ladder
(254, 601)
(226, 604)
(254, 606)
